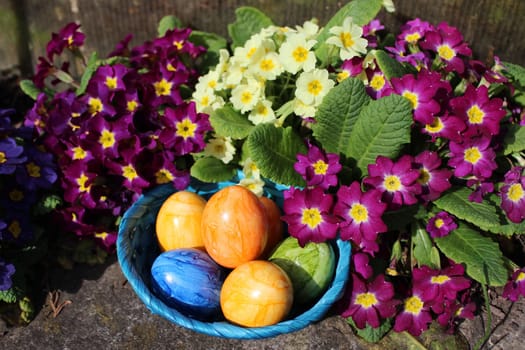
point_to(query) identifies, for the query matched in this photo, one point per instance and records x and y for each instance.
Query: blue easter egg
(188, 280)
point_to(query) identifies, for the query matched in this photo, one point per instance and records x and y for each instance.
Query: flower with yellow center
(262, 113)
(475, 115)
(268, 67)
(246, 96)
(81, 182)
(221, 148)
(358, 213)
(366, 300)
(348, 38)
(446, 52)
(186, 128)
(311, 217)
(313, 86)
(392, 183)
(107, 139)
(79, 153)
(516, 192)
(295, 54)
(32, 169)
(412, 97)
(95, 105)
(163, 87)
(163, 176)
(472, 155)
(414, 305)
(129, 172)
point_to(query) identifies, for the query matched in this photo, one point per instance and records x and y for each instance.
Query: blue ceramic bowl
(137, 248)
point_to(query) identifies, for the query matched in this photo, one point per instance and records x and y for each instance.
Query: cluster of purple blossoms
(26, 171)
(459, 131)
(128, 131)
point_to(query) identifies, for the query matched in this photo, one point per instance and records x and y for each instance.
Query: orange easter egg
(275, 225)
(234, 226)
(256, 294)
(178, 223)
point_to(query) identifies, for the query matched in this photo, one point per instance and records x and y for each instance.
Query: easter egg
(178, 223)
(275, 225)
(256, 294)
(310, 268)
(188, 280)
(234, 226)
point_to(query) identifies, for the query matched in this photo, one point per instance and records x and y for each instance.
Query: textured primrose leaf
(228, 121)
(211, 169)
(383, 127)
(515, 71)
(482, 215)
(338, 113)
(361, 11)
(390, 67)
(274, 151)
(481, 255)
(248, 21)
(91, 67)
(29, 88)
(514, 140)
(168, 23)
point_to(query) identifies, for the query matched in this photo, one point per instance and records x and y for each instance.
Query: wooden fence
(491, 27)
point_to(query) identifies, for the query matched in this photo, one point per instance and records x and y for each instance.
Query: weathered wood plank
(489, 26)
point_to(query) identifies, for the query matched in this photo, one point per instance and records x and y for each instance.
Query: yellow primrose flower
(295, 54)
(220, 147)
(253, 184)
(348, 38)
(313, 86)
(262, 113)
(268, 67)
(310, 29)
(246, 96)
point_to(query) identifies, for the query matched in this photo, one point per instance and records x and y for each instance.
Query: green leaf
(514, 139)
(226, 121)
(515, 71)
(481, 255)
(456, 202)
(63, 76)
(167, 23)
(211, 169)
(10, 296)
(47, 204)
(29, 88)
(390, 67)
(361, 11)
(338, 113)
(504, 226)
(274, 152)
(383, 127)
(213, 43)
(372, 335)
(249, 21)
(91, 67)
(422, 247)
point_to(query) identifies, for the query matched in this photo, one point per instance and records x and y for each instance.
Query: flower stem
(488, 327)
